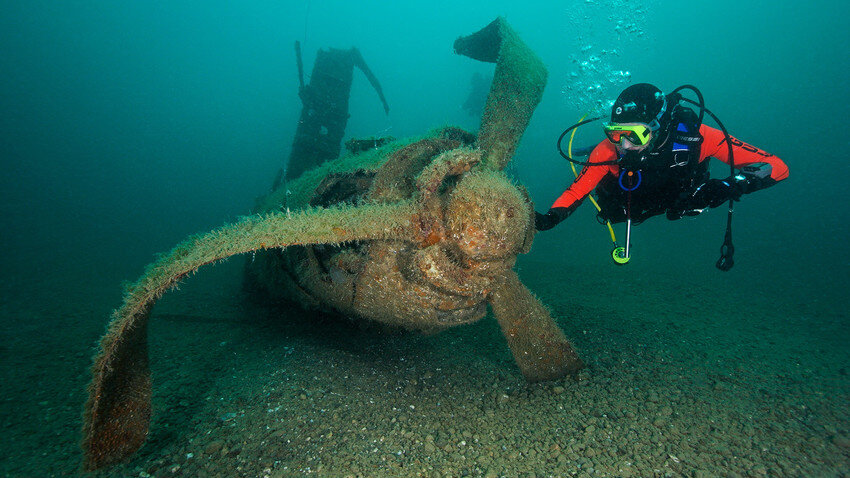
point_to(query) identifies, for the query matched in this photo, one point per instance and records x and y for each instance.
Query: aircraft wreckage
(420, 233)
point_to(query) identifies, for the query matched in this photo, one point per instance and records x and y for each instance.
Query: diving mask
(637, 134)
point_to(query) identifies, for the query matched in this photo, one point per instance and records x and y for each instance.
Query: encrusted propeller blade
(539, 347)
(516, 90)
(118, 410)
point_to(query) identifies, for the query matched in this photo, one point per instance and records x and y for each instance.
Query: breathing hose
(617, 253)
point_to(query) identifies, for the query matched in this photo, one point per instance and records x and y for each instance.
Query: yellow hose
(573, 165)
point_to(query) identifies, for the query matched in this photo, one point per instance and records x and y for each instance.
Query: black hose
(567, 156)
(722, 128)
(696, 90)
(727, 250)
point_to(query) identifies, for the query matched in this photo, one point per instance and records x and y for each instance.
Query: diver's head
(638, 117)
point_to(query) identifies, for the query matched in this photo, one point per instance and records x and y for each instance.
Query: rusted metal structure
(419, 233)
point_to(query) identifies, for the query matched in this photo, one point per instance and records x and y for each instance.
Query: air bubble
(598, 75)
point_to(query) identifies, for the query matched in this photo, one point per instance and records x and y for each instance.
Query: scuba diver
(654, 161)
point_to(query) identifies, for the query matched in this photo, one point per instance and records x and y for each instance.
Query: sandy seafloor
(680, 382)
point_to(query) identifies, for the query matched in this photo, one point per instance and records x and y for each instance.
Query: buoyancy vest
(662, 179)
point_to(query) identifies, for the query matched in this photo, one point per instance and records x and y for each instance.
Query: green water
(126, 127)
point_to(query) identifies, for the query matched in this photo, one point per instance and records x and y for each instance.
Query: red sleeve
(714, 145)
(589, 176)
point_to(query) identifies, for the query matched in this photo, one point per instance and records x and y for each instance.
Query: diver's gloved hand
(715, 192)
(544, 222)
(755, 177)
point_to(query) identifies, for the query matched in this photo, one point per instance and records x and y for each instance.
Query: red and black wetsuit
(661, 190)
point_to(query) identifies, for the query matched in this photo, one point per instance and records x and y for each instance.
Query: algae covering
(324, 111)
(421, 234)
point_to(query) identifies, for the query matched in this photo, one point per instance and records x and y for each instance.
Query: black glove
(543, 222)
(755, 177)
(715, 192)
